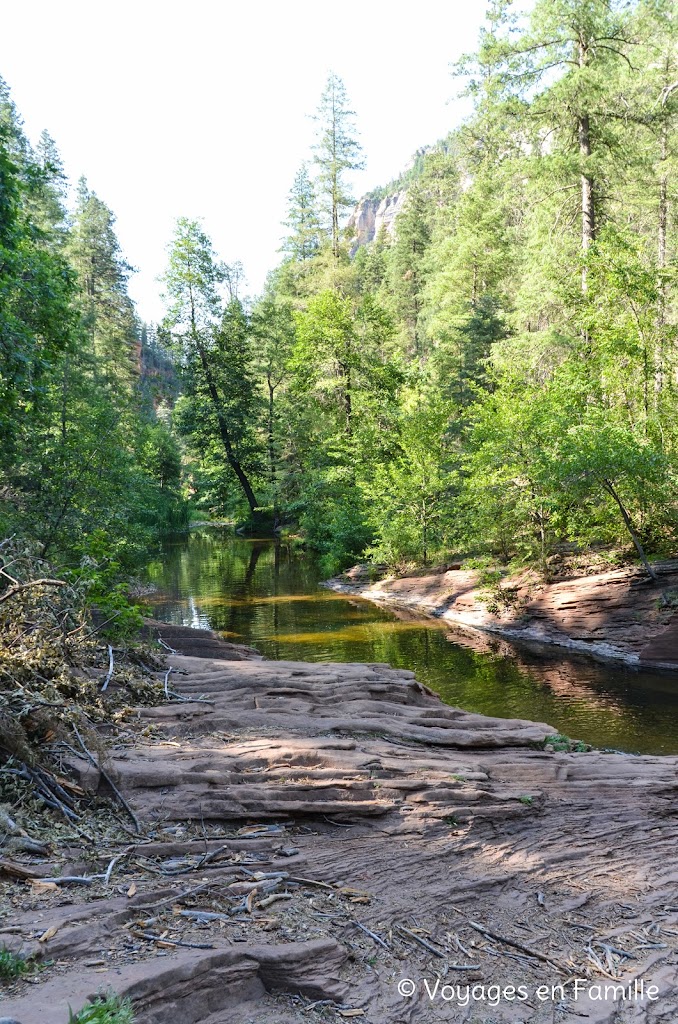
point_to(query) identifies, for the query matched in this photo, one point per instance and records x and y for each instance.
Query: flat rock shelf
(317, 835)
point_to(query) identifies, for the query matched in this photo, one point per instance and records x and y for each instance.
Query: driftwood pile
(64, 691)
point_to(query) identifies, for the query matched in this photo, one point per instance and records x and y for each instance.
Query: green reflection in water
(268, 596)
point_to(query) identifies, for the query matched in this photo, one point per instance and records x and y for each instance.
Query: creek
(269, 596)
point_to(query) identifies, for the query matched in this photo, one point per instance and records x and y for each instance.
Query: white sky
(200, 109)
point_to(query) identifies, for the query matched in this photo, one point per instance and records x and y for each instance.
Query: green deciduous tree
(214, 348)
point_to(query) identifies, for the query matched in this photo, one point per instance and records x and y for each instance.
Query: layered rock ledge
(618, 615)
(315, 834)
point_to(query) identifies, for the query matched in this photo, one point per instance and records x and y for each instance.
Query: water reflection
(266, 595)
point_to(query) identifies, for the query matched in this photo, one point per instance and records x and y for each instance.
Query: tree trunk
(348, 403)
(663, 204)
(662, 230)
(629, 526)
(424, 531)
(345, 372)
(271, 449)
(64, 400)
(588, 211)
(224, 434)
(335, 227)
(221, 419)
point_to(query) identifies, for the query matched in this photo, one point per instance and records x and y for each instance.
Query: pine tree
(587, 41)
(48, 195)
(303, 241)
(337, 151)
(412, 239)
(108, 316)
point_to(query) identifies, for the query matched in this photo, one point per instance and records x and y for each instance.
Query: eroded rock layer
(314, 835)
(618, 615)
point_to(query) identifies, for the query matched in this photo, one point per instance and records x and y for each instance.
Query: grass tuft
(12, 965)
(108, 1010)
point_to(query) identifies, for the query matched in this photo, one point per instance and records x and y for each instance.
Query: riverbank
(615, 615)
(313, 835)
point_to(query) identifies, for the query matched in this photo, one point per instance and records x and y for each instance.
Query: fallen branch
(71, 879)
(175, 898)
(45, 790)
(109, 674)
(13, 591)
(203, 916)
(19, 839)
(172, 942)
(372, 935)
(310, 881)
(10, 867)
(422, 942)
(518, 945)
(179, 699)
(108, 779)
(113, 862)
(258, 876)
(596, 961)
(166, 646)
(268, 900)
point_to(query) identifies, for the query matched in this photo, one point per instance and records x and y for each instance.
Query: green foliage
(334, 520)
(563, 744)
(12, 965)
(337, 151)
(411, 494)
(82, 453)
(303, 219)
(104, 1010)
(495, 374)
(213, 340)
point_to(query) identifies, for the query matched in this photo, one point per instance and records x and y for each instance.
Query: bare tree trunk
(663, 204)
(424, 531)
(662, 229)
(271, 449)
(629, 526)
(64, 400)
(588, 210)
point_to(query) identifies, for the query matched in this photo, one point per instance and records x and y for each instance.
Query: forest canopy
(492, 374)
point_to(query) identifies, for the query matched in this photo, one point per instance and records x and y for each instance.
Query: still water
(269, 596)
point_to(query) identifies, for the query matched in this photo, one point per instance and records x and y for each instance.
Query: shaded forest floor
(617, 614)
(312, 835)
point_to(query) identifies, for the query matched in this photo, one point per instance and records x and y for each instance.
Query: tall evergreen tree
(303, 222)
(108, 316)
(337, 151)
